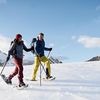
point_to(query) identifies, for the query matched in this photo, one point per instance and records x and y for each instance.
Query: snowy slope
(74, 81)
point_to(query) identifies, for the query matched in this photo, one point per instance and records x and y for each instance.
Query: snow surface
(74, 81)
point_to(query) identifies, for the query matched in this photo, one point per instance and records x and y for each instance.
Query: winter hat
(18, 36)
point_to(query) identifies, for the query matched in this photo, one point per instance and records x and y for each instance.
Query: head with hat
(41, 36)
(18, 37)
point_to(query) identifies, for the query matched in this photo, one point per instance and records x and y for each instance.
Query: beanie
(18, 36)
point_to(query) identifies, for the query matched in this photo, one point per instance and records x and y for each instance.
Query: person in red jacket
(16, 51)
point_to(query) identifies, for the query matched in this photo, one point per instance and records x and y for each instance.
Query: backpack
(13, 52)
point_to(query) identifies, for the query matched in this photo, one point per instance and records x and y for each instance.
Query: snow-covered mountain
(27, 61)
(96, 58)
(2, 57)
(74, 81)
(54, 60)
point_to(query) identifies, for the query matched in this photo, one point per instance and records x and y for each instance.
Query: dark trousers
(18, 70)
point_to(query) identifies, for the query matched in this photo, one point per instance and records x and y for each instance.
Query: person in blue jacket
(40, 57)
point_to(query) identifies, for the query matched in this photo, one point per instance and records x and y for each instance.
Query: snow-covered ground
(74, 81)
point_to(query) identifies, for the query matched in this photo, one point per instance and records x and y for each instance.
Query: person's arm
(27, 49)
(47, 49)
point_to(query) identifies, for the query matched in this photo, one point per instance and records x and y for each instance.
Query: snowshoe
(49, 78)
(6, 80)
(21, 86)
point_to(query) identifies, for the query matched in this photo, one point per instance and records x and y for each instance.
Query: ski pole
(40, 75)
(32, 44)
(3, 67)
(41, 64)
(44, 64)
(48, 54)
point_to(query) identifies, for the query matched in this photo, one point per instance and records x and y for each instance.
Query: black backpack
(13, 52)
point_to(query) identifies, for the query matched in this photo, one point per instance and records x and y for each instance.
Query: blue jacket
(40, 47)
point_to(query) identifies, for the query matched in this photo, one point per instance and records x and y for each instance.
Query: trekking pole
(41, 65)
(40, 75)
(3, 67)
(34, 52)
(48, 54)
(44, 64)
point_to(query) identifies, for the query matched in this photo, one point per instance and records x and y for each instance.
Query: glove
(32, 47)
(7, 58)
(34, 40)
(50, 49)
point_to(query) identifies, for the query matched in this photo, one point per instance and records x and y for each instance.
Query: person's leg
(18, 63)
(48, 67)
(36, 66)
(14, 73)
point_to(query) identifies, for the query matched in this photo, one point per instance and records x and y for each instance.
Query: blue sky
(71, 27)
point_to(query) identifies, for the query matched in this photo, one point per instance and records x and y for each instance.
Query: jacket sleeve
(27, 49)
(47, 49)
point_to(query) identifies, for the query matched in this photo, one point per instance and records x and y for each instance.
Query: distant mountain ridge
(96, 58)
(26, 61)
(2, 57)
(54, 60)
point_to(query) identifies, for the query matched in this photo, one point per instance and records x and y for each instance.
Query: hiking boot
(48, 77)
(33, 80)
(47, 74)
(22, 84)
(7, 80)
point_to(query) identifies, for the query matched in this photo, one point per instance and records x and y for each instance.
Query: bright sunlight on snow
(74, 81)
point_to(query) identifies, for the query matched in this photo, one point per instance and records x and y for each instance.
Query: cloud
(3, 1)
(89, 42)
(98, 8)
(4, 43)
